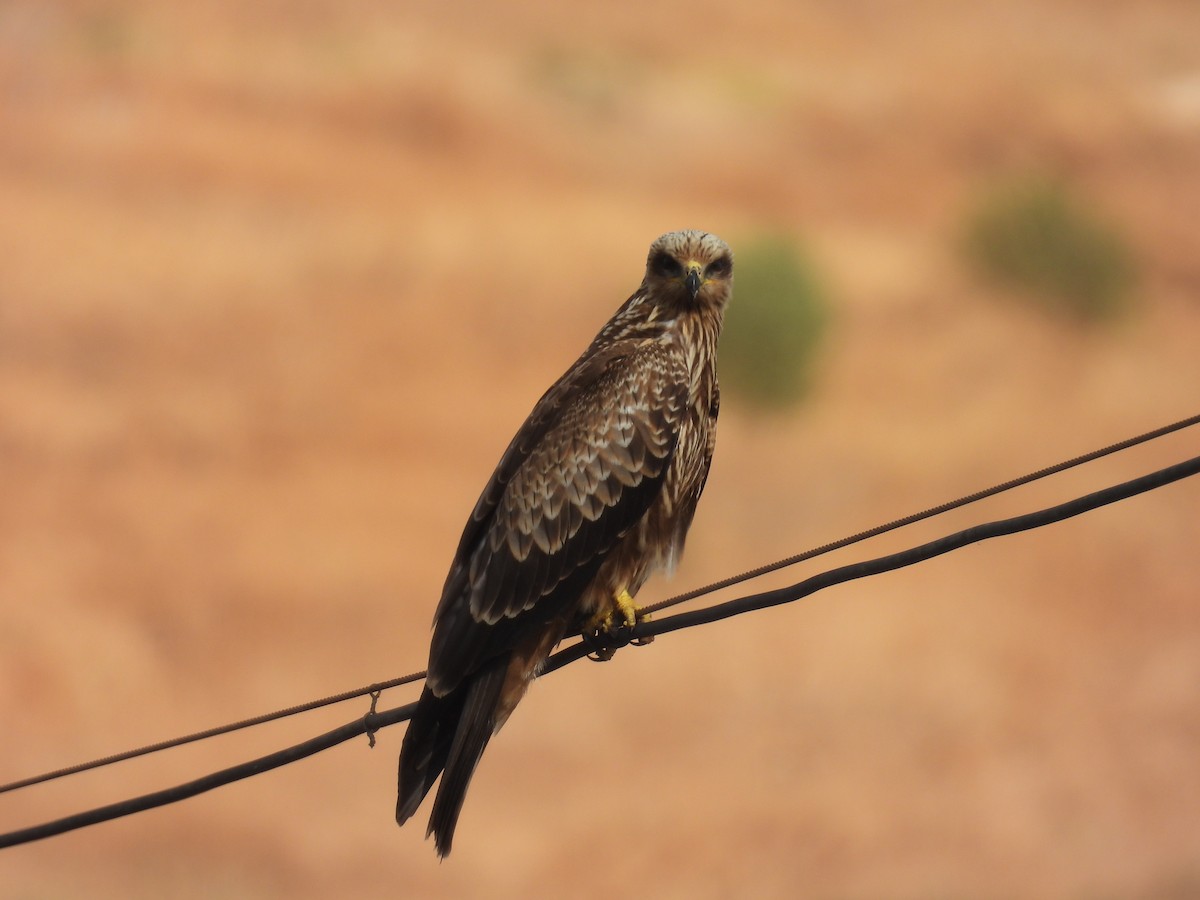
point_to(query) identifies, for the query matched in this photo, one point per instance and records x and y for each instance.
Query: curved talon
(600, 646)
(606, 640)
(612, 629)
(644, 639)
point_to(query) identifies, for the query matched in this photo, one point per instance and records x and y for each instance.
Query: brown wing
(583, 469)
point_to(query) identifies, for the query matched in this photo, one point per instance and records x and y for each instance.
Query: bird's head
(691, 268)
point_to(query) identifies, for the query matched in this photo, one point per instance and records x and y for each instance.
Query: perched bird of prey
(594, 493)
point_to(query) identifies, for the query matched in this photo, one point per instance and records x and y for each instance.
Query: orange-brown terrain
(279, 280)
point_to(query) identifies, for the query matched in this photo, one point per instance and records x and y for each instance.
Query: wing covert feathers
(596, 467)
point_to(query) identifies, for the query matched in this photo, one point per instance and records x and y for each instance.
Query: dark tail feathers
(447, 733)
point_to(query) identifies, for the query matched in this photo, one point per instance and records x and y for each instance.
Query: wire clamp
(369, 719)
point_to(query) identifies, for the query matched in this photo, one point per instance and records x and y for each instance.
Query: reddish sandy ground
(278, 281)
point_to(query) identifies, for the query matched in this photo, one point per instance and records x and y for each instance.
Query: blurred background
(278, 281)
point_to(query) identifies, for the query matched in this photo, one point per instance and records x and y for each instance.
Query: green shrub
(774, 324)
(1033, 236)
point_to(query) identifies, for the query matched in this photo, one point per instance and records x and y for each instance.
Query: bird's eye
(666, 266)
(719, 268)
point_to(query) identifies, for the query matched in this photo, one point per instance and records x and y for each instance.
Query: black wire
(367, 724)
(938, 547)
(374, 721)
(925, 514)
(210, 732)
(671, 601)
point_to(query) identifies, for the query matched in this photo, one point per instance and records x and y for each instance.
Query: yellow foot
(606, 626)
(623, 604)
(632, 615)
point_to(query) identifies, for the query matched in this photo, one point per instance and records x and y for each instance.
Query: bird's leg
(632, 614)
(608, 628)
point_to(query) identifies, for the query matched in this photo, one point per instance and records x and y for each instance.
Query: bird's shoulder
(610, 381)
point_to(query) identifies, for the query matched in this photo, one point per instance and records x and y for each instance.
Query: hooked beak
(692, 280)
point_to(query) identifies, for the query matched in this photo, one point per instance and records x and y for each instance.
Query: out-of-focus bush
(775, 323)
(1033, 236)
